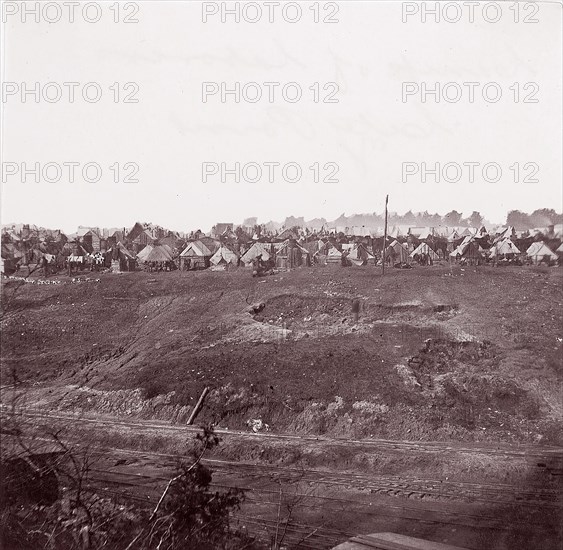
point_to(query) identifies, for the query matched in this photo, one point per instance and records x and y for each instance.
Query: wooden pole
(198, 406)
(384, 238)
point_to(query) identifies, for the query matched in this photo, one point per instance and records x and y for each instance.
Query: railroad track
(403, 486)
(406, 487)
(313, 536)
(435, 447)
(261, 486)
(399, 486)
(259, 495)
(410, 488)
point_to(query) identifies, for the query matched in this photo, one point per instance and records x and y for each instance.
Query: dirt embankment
(425, 360)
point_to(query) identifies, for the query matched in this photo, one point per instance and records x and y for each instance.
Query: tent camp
(470, 250)
(397, 252)
(224, 256)
(362, 231)
(421, 232)
(423, 248)
(73, 248)
(11, 252)
(502, 233)
(144, 252)
(11, 257)
(321, 247)
(469, 232)
(123, 258)
(158, 253)
(396, 231)
(333, 255)
(360, 255)
(120, 250)
(198, 253)
(473, 252)
(453, 236)
(318, 250)
(539, 252)
(263, 249)
(290, 254)
(312, 247)
(504, 247)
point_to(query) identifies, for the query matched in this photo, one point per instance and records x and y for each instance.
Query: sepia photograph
(281, 275)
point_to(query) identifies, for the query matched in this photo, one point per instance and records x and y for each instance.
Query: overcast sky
(368, 134)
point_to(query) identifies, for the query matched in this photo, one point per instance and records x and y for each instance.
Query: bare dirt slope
(437, 354)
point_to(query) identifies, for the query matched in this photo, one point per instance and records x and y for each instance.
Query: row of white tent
(224, 255)
(537, 251)
(355, 253)
(358, 253)
(400, 253)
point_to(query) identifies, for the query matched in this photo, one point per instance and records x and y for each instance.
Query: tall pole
(384, 238)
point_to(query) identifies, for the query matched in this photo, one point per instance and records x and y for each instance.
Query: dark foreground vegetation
(48, 500)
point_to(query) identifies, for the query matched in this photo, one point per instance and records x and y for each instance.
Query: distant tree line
(538, 218)
(542, 217)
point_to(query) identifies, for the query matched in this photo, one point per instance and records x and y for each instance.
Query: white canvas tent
(453, 236)
(144, 252)
(256, 249)
(502, 233)
(333, 255)
(359, 254)
(195, 249)
(397, 231)
(224, 256)
(421, 232)
(423, 248)
(504, 247)
(469, 232)
(538, 251)
(157, 253)
(197, 254)
(291, 254)
(441, 231)
(398, 252)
